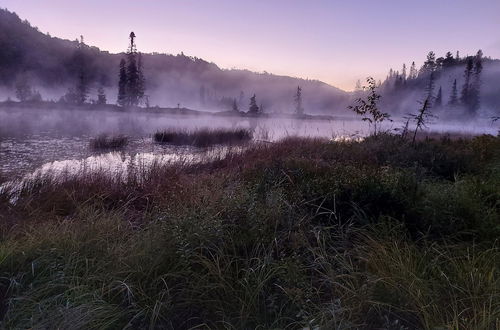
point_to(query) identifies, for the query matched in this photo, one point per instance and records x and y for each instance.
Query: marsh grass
(303, 233)
(203, 137)
(105, 141)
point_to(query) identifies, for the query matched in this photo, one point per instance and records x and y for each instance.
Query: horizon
(315, 56)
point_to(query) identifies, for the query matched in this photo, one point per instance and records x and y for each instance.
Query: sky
(336, 41)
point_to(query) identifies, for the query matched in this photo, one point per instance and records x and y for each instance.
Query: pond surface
(52, 141)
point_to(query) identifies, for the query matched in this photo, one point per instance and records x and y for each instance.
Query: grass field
(302, 233)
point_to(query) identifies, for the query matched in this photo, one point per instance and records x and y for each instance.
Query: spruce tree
(299, 110)
(235, 106)
(82, 90)
(133, 77)
(454, 94)
(122, 84)
(465, 94)
(253, 105)
(438, 102)
(474, 92)
(101, 96)
(413, 71)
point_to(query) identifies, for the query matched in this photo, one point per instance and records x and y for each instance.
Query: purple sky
(337, 41)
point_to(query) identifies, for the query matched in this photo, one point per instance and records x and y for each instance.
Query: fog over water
(35, 139)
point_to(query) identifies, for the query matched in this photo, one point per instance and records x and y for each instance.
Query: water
(55, 140)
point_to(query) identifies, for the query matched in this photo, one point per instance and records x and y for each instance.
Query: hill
(50, 65)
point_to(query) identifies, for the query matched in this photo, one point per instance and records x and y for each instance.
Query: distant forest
(36, 66)
(53, 66)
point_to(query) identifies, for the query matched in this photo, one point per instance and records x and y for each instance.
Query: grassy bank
(300, 233)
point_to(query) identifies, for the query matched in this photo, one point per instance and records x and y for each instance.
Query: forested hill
(457, 86)
(51, 66)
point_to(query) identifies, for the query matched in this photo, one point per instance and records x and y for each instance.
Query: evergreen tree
(429, 89)
(448, 60)
(430, 64)
(465, 94)
(474, 93)
(101, 96)
(142, 80)
(299, 110)
(413, 71)
(253, 105)
(23, 88)
(133, 77)
(82, 89)
(438, 102)
(122, 84)
(403, 73)
(454, 94)
(235, 106)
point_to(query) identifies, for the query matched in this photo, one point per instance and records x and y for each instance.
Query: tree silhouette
(254, 109)
(438, 102)
(369, 108)
(299, 109)
(122, 84)
(454, 94)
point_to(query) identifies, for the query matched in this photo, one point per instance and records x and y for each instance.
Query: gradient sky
(334, 41)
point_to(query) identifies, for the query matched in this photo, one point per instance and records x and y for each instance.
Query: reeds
(105, 141)
(203, 137)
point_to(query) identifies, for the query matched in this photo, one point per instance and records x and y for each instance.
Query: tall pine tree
(254, 108)
(454, 94)
(299, 109)
(122, 84)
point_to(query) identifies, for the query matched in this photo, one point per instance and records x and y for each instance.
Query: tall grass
(203, 137)
(298, 234)
(105, 141)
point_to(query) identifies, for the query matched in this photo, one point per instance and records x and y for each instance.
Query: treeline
(39, 66)
(452, 84)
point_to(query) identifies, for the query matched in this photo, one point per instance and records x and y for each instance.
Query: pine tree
(101, 96)
(142, 80)
(235, 106)
(413, 71)
(253, 105)
(299, 110)
(454, 94)
(438, 102)
(465, 95)
(474, 93)
(403, 73)
(429, 89)
(122, 84)
(82, 89)
(23, 89)
(448, 60)
(430, 64)
(133, 88)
